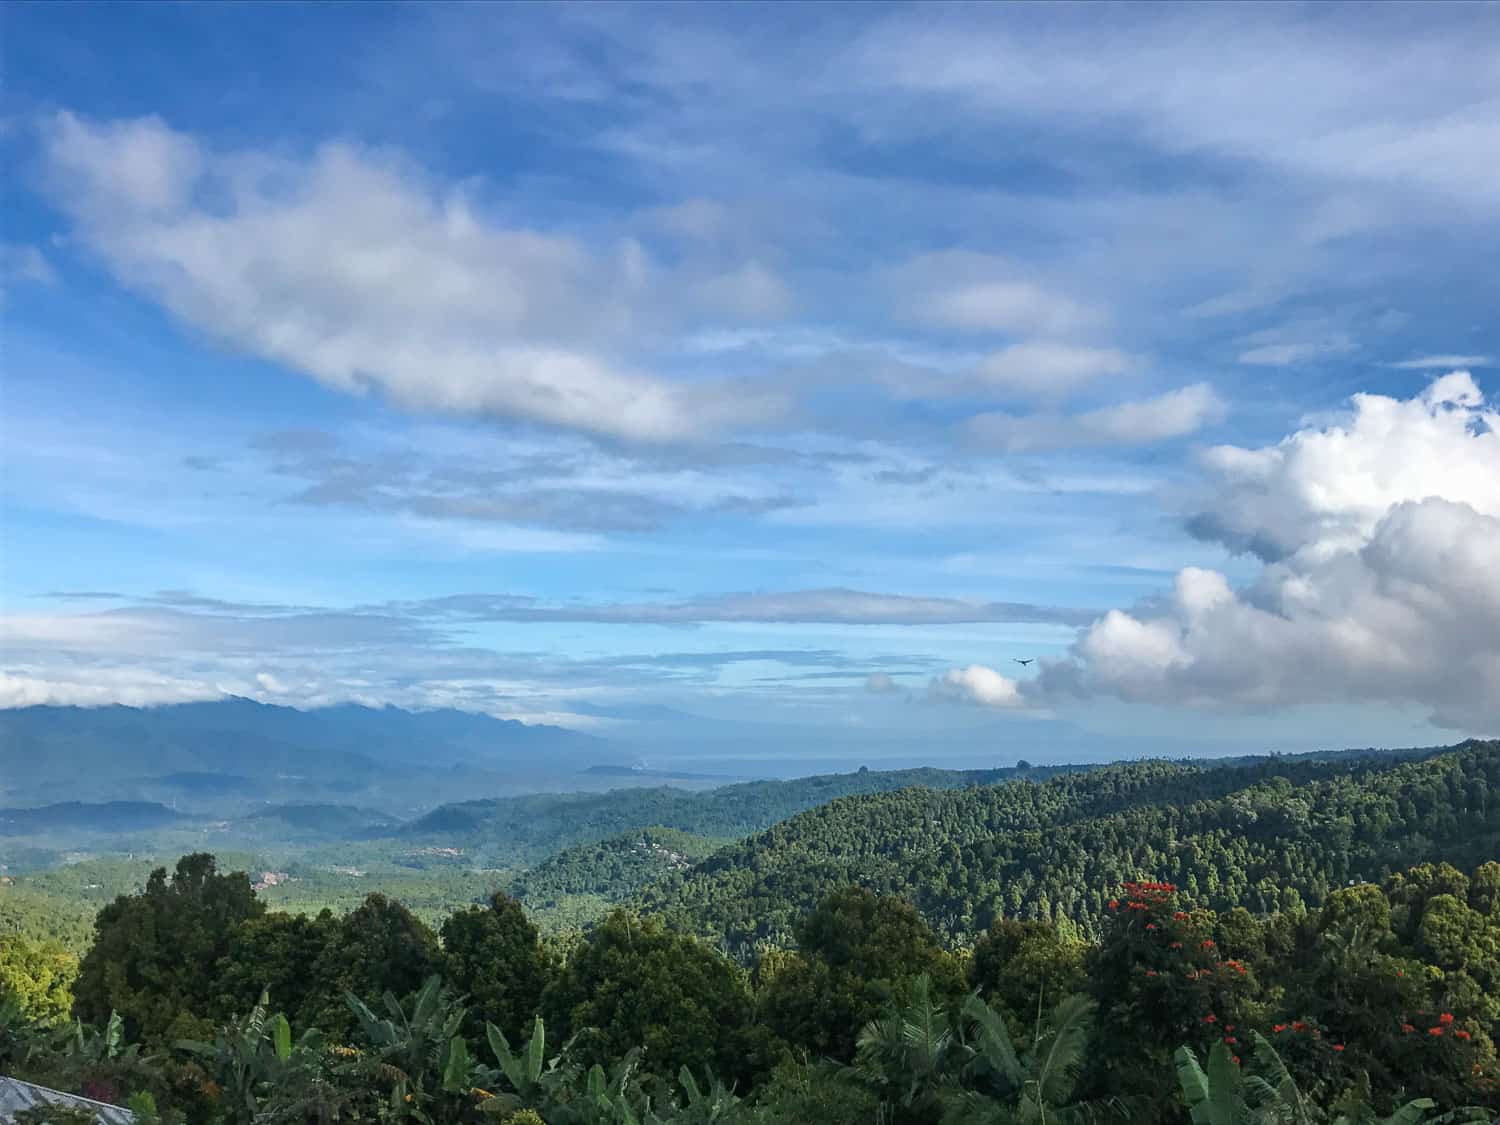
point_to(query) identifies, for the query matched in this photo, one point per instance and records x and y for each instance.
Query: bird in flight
(1022, 663)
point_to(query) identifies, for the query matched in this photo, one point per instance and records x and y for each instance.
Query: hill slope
(527, 829)
(1264, 834)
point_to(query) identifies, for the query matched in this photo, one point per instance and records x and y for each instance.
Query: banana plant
(1040, 1083)
(1216, 1095)
(263, 1071)
(417, 1051)
(1223, 1094)
(522, 1069)
(709, 1106)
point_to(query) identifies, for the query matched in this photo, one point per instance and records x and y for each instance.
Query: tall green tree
(155, 954)
(856, 951)
(494, 955)
(634, 983)
(378, 947)
(1018, 965)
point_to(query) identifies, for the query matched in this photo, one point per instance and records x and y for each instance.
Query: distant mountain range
(78, 817)
(197, 753)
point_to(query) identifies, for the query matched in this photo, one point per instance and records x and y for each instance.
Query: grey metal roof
(16, 1095)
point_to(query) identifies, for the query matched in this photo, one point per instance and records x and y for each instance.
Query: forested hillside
(527, 829)
(1268, 835)
(578, 885)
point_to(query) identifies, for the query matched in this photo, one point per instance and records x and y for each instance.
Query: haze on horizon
(766, 379)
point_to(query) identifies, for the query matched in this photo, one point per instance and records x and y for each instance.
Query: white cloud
(99, 687)
(979, 685)
(1381, 537)
(1325, 489)
(881, 683)
(751, 292)
(348, 267)
(271, 683)
(1174, 414)
(981, 293)
(1047, 369)
(1002, 306)
(24, 264)
(1347, 101)
(1285, 355)
(1442, 362)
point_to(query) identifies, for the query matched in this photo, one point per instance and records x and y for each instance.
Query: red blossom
(1230, 1039)
(1298, 1025)
(1280, 1027)
(1209, 944)
(1210, 1018)
(1150, 972)
(1236, 1060)
(1114, 904)
(1177, 945)
(1338, 1046)
(1445, 1019)
(1434, 1031)
(1461, 1034)
(1150, 925)
(1407, 1028)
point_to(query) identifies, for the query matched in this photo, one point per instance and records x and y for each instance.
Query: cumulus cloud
(979, 685)
(881, 683)
(1323, 490)
(349, 267)
(1174, 414)
(1379, 536)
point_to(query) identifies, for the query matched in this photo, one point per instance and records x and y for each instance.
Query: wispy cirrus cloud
(1174, 414)
(1442, 362)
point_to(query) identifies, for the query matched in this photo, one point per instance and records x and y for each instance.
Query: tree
(155, 953)
(1017, 965)
(1039, 1084)
(906, 1056)
(276, 955)
(494, 955)
(378, 947)
(38, 977)
(856, 951)
(634, 983)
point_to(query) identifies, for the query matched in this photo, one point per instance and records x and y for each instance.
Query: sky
(765, 377)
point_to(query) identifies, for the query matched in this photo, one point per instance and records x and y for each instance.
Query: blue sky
(656, 369)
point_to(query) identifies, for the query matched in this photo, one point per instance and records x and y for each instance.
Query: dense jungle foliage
(1291, 941)
(1270, 835)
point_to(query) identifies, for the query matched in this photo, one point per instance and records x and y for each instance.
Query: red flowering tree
(1161, 981)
